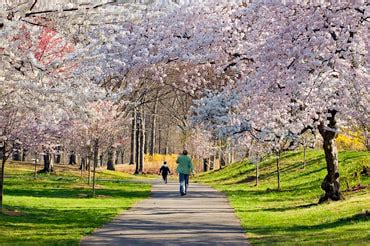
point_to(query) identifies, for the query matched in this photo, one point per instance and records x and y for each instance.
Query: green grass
(292, 216)
(58, 209)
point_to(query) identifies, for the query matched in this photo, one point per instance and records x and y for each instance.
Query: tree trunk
(116, 156)
(278, 170)
(96, 155)
(133, 139)
(159, 133)
(2, 177)
(166, 141)
(137, 148)
(47, 168)
(330, 184)
(122, 155)
(88, 171)
(367, 138)
(257, 172)
(205, 164)
(154, 126)
(110, 163)
(142, 143)
(304, 154)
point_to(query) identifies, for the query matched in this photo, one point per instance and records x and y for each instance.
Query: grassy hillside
(58, 209)
(292, 216)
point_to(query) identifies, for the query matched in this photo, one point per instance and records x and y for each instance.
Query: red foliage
(51, 46)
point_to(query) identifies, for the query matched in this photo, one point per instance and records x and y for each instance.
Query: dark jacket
(164, 170)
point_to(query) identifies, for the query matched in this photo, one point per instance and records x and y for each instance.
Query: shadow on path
(202, 217)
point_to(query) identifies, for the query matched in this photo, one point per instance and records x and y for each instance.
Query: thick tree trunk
(330, 184)
(110, 163)
(367, 138)
(205, 164)
(133, 139)
(47, 164)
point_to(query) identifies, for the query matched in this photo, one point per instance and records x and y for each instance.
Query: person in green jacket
(184, 168)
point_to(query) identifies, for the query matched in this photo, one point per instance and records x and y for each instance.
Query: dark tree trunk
(133, 139)
(72, 159)
(278, 170)
(24, 154)
(57, 158)
(101, 160)
(110, 163)
(96, 155)
(116, 156)
(257, 172)
(330, 184)
(47, 167)
(88, 166)
(304, 154)
(122, 155)
(2, 176)
(138, 143)
(205, 165)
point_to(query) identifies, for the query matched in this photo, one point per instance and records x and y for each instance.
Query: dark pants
(184, 183)
(164, 176)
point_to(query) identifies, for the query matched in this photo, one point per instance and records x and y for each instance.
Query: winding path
(202, 217)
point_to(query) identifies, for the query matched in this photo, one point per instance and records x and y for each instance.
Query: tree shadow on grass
(47, 226)
(361, 217)
(74, 193)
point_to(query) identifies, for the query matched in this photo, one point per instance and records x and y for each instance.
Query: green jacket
(185, 164)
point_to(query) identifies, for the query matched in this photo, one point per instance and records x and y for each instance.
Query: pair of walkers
(184, 169)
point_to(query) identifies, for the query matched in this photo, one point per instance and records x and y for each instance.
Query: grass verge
(58, 209)
(292, 216)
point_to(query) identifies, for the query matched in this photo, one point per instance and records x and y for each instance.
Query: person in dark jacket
(164, 170)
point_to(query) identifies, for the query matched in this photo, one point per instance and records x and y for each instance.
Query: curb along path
(202, 217)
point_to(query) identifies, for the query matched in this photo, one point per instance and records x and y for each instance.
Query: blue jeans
(184, 182)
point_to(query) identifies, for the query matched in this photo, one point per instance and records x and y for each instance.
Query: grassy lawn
(292, 216)
(57, 209)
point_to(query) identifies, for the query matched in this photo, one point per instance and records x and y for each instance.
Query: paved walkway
(202, 217)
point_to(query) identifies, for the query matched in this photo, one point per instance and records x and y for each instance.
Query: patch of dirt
(81, 195)
(86, 186)
(358, 188)
(103, 196)
(11, 212)
(247, 180)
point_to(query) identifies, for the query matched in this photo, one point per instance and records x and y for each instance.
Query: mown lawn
(58, 209)
(292, 216)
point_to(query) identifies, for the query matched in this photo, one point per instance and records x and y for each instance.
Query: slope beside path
(202, 217)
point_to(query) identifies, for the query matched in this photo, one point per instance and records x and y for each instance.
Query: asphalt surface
(202, 217)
